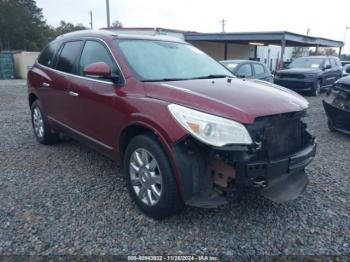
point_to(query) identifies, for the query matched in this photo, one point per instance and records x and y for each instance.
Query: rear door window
(95, 52)
(259, 69)
(333, 63)
(326, 63)
(245, 70)
(47, 56)
(68, 56)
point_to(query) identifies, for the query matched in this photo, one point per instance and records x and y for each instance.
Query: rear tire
(42, 131)
(150, 178)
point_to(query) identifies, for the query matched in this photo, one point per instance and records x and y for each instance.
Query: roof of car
(114, 35)
(239, 61)
(318, 56)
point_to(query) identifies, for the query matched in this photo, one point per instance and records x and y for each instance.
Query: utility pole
(108, 14)
(91, 23)
(223, 23)
(307, 31)
(346, 31)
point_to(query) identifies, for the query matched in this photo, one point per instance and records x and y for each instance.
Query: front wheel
(316, 89)
(150, 179)
(330, 125)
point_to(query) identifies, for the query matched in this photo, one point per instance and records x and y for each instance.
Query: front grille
(296, 76)
(281, 135)
(283, 138)
(294, 84)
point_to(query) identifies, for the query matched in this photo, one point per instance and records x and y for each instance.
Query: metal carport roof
(281, 38)
(267, 38)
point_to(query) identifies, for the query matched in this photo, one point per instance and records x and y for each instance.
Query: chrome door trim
(80, 133)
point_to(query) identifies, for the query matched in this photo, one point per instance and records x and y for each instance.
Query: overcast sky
(324, 18)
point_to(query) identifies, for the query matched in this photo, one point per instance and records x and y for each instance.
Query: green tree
(297, 52)
(117, 24)
(324, 51)
(21, 25)
(66, 27)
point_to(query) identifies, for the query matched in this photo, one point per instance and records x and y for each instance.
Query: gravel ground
(68, 199)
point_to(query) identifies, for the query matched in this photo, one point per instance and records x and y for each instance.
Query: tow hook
(259, 182)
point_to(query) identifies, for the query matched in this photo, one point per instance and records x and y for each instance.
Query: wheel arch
(128, 133)
(31, 99)
(134, 129)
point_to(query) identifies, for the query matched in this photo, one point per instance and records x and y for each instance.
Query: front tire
(42, 131)
(150, 178)
(330, 125)
(317, 88)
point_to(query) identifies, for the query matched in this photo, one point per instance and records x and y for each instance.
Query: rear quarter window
(333, 62)
(48, 54)
(338, 62)
(259, 69)
(68, 56)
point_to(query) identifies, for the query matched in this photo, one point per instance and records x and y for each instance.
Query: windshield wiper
(212, 76)
(164, 79)
(180, 79)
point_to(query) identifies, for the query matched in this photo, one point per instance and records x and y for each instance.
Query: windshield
(168, 61)
(305, 62)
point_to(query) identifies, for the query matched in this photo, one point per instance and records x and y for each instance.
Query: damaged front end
(273, 164)
(337, 107)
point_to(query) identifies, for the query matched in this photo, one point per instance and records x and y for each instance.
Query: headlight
(210, 129)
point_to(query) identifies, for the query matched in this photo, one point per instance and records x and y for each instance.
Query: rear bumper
(296, 85)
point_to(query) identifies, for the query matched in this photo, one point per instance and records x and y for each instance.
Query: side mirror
(98, 70)
(240, 76)
(327, 67)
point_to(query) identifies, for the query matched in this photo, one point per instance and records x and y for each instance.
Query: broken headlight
(210, 129)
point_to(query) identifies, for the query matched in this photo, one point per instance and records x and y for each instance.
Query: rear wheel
(150, 178)
(43, 132)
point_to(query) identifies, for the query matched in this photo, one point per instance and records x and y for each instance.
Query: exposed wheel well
(128, 134)
(32, 98)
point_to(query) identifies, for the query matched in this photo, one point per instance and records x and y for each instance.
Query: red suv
(185, 130)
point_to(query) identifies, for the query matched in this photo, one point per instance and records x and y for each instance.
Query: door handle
(71, 93)
(45, 84)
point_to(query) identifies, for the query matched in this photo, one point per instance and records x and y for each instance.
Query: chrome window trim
(88, 78)
(81, 134)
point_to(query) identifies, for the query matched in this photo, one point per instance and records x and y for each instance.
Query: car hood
(344, 80)
(300, 70)
(237, 99)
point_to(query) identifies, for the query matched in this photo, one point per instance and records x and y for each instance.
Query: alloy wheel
(145, 176)
(38, 123)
